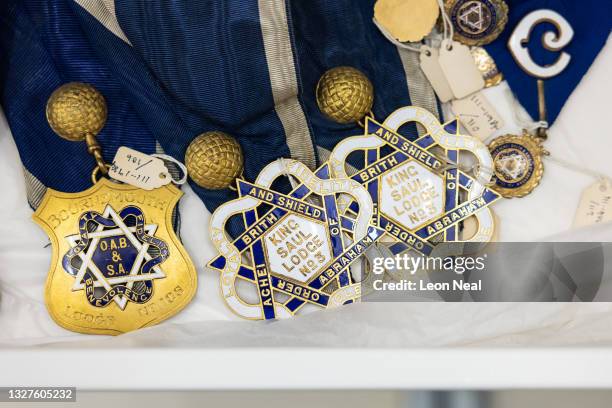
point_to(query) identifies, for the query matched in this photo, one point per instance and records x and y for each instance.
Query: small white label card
(433, 72)
(459, 67)
(138, 169)
(478, 115)
(595, 204)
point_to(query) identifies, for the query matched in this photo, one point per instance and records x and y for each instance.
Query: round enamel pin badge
(517, 162)
(477, 22)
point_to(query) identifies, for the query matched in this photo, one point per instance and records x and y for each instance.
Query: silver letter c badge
(551, 41)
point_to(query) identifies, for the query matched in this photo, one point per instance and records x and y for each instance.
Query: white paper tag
(478, 115)
(138, 169)
(459, 67)
(433, 72)
(595, 204)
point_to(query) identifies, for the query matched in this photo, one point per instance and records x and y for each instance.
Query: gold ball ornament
(75, 110)
(214, 160)
(345, 94)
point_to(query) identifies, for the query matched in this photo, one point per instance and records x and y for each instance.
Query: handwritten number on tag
(139, 169)
(595, 205)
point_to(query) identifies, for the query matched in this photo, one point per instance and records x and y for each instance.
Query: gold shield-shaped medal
(117, 264)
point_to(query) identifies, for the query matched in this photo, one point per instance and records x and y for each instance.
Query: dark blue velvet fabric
(591, 21)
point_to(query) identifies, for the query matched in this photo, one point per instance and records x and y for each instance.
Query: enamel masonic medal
(420, 194)
(518, 164)
(517, 159)
(295, 250)
(419, 198)
(477, 22)
(117, 264)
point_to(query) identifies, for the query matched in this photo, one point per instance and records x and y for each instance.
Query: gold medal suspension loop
(77, 112)
(361, 122)
(96, 151)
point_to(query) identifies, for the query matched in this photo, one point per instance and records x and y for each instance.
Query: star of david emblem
(112, 256)
(295, 249)
(473, 17)
(420, 197)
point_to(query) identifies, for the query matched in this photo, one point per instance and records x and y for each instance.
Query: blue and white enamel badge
(117, 264)
(115, 257)
(294, 249)
(421, 195)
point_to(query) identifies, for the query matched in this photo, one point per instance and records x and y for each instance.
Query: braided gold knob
(345, 94)
(214, 160)
(75, 110)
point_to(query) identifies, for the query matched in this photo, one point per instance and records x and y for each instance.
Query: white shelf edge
(286, 368)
